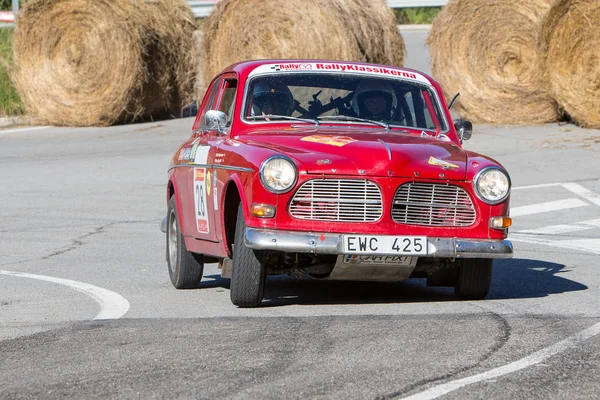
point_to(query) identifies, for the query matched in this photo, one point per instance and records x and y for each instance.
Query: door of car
(204, 178)
(214, 190)
(194, 178)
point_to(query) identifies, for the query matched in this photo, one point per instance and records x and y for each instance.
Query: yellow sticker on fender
(441, 163)
(338, 141)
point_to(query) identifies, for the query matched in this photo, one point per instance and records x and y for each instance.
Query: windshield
(310, 96)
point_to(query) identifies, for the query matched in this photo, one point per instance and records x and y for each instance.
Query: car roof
(244, 68)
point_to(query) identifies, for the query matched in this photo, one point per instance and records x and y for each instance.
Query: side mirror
(464, 129)
(215, 120)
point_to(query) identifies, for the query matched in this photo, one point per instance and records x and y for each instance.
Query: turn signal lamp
(500, 222)
(263, 210)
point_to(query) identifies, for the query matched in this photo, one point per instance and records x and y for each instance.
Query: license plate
(398, 245)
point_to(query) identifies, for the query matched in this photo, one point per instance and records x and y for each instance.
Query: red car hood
(376, 153)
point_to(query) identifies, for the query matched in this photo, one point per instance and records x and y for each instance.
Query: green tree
(5, 5)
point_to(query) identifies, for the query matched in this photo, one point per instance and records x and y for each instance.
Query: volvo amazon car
(335, 171)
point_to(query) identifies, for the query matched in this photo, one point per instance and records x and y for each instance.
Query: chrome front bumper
(328, 243)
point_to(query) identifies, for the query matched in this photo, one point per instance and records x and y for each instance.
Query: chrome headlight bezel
(480, 195)
(265, 164)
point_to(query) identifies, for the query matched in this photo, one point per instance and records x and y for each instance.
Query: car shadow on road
(521, 278)
(511, 279)
(214, 281)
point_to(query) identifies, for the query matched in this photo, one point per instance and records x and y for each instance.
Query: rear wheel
(474, 278)
(185, 268)
(247, 270)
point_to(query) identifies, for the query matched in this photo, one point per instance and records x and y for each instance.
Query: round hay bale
(491, 52)
(199, 84)
(86, 63)
(373, 25)
(572, 42)
(353, 30)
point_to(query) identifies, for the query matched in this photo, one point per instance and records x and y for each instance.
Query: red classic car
(332, 170)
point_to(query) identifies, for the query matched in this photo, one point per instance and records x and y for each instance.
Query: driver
(271, 99)
(374, 100)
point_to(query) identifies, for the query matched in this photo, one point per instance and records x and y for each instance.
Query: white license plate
(397, 245)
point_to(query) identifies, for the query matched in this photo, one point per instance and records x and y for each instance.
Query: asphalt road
(87, 309)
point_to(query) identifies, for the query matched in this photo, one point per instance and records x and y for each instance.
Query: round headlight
(278, 174)
(492, 185)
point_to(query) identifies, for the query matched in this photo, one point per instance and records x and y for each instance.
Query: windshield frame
(431, 88)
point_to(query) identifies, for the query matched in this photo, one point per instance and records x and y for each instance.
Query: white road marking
(592, 222)
(546, 207)
(586, 245)
(555, 229)
(112, 305)
(23, 129)
(542, 185)
(583, 192)
(532, 359)
(560, 229)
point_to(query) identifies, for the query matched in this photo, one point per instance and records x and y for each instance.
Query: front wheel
(474, 278)
(185, 268)
(247, 270)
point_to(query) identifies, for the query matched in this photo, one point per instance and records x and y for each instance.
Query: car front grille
(343, 200)
(433, 204)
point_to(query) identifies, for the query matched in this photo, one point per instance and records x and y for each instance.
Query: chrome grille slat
(433, 204)
(343, 200)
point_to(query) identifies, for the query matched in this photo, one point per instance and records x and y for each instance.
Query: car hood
(375, 153)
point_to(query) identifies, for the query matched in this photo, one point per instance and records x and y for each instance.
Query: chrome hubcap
(172, 239)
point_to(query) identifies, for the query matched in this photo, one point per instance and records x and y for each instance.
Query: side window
(209, 104)
(228, 99)
(419, 109)
(411, 106)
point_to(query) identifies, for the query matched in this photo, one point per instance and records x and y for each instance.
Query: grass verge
(417, 15)
(10, 102)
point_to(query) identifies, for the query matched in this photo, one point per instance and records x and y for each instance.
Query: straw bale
(373, 24)
(86, 63)
(572, 58)
(491, 52)
(348, 30)
(199, 83)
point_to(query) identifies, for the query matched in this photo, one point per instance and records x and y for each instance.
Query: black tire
(247, 270)
(185, 268)
(474, 278)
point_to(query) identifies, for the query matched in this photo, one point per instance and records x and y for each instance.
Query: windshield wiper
(350, 118)
(269, 117)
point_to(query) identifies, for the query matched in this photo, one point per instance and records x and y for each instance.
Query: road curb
(19, 120)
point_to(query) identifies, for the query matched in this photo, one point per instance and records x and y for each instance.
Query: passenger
(374, 100)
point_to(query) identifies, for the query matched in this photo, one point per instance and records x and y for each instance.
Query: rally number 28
(200, 196)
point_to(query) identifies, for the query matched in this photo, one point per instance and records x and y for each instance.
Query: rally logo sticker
(354, 259)
(291, 67)
(200, 200)
(338, 141)
(441, 163)
(340, 67)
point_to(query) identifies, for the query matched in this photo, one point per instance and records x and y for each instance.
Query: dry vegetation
(82, 63)
(572, 61)
(351, 30)
(491, 53)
